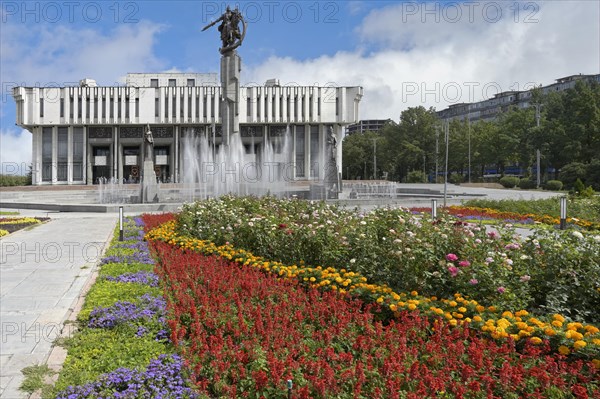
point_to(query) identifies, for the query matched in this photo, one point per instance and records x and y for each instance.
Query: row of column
(65, 154)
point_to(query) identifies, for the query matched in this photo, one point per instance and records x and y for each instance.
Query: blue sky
(404, 54)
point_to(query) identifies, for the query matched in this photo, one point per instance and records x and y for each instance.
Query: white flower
(363, 222)
(577, 234)
(525, 257)
(352, 260)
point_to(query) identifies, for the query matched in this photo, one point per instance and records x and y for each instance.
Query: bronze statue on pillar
(231, 38)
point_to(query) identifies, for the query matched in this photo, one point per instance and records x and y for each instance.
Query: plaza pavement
(43, 271)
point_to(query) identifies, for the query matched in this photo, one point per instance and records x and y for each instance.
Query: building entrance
(131, 164)
(101, 162)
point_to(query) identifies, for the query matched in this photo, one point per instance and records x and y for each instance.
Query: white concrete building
(82, 134)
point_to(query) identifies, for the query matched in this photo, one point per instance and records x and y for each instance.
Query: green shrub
(526, 184)
(571, 172)
(592, 174)
(14, 180)
(509, 181)
(106, 293)
(416, 176)
(96, 351)
(455, 178)
(116, 269)
(553, 185)
(580, 190)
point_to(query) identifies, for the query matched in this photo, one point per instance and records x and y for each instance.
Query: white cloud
(418, 60)
(15, 151)
(63, 54)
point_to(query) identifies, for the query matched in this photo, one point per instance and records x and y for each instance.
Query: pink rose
(451, 257)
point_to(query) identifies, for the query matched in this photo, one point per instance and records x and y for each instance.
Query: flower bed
(122, 347)
(548, 272)
(12, 224)
(476, 213)
(245, 333)
(580, 338)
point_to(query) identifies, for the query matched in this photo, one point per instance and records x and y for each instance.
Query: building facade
(84, 134)
(367, 125)
(489, 109)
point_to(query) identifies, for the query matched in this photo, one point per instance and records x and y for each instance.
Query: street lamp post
(437, 134)
(374, 159)
(469, 139)
(447, 128)
(537, 152)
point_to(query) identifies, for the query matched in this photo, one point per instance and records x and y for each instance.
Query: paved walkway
(42, 273)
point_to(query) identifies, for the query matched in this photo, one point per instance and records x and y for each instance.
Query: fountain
(214, 170)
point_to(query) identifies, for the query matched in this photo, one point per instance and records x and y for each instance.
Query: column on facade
(84, 159)
(36, 159)
(174, 154)
(70, 154)
(115, 153)
(54, 155)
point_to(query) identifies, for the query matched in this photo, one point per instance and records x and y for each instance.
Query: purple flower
(141, 277)
(149, 308)
(162, 378)
(464, 263)
(473, 281)
(451, 257)
(501, 290)
(525, 278)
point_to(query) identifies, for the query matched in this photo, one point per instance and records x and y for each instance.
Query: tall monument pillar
(231, 65)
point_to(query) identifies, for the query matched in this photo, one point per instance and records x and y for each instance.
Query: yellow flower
(550, 332)
(536, 340)
(393, 307)
(559, 318)
(579, 344)
(479, 308)
(414, 293)
(462, 309)
(563, 350)
(591, 329)
(452, 303)
(477, 318)
(380, 299)
(521, 313)
(557, 323)
(412, 306)
(596, 363)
